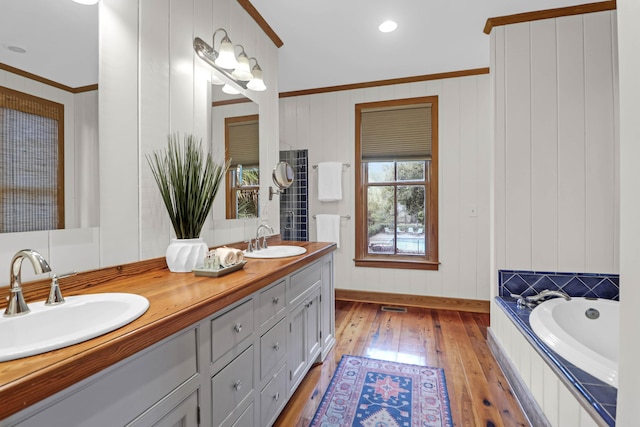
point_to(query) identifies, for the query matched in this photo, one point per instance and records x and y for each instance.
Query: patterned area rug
(375, 393)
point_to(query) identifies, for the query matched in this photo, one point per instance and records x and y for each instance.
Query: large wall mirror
(235, 126)
(49, 52)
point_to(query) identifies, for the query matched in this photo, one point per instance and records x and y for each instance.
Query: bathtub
(585, 331)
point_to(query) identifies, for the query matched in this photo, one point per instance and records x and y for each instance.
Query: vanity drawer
(272, 347)
(272, 302)
(246, 419)
(302, 281)
(273, 397)
(230, 329)
(231, 387)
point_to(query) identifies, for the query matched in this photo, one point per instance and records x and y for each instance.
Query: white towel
(329, 181)
(328, 228)
(228, 256)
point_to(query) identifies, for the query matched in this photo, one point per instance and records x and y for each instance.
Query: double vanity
(226, 351)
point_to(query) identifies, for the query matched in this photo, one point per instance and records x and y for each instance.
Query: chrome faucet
(533, 300)
(17, 305)
(264, 238)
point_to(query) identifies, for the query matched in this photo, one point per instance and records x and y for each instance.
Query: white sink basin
(80, 318)
(281, 251)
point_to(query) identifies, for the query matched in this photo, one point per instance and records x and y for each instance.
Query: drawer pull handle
(238, 327)
(275, 300)
(237, 385)
(276, 396)
(276, 347)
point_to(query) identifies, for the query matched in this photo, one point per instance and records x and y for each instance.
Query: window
(31, 163)
(243, 178)
(397, 184)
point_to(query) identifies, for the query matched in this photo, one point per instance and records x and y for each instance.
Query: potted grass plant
(188, 181)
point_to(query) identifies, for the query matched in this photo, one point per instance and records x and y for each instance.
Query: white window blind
(243, 142)
(31, 158)
(396, 133)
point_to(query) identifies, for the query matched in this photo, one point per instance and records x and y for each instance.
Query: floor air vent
(395, 309)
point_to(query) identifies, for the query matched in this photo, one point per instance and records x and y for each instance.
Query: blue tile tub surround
(294, 201)
(601, 396)
(526, 283)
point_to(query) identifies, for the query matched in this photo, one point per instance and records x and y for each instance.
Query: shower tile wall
(294, 201)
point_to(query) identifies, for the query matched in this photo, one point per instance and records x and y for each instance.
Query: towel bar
(344, 164)
(341, 216)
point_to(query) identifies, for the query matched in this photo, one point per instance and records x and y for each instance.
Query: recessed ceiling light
(87, 2)
(16, 49)
(388, 26)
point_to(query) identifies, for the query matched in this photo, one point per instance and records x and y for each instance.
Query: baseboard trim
(529, 406)
(441, 303)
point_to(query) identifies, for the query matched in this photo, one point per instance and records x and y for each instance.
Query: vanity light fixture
(226, 56)
(242, 73)
(230, 90)
(256, 83)
(243, 70)
(216, 80)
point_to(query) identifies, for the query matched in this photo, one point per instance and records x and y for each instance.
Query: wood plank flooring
(455, 341)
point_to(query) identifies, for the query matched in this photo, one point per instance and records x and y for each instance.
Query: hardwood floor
(479, 394)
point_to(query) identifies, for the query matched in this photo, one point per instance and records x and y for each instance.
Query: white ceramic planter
(183, 255)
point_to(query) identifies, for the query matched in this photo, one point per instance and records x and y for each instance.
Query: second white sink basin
(280, 251)
(79, 319)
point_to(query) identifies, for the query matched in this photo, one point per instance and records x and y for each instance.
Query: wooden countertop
(176, 301)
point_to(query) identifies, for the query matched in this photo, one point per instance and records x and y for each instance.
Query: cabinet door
(312, 324)
(183, 415)
(296, 344)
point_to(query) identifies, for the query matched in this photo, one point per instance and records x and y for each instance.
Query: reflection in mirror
(243, 178)
(235, 128)
(49, 55)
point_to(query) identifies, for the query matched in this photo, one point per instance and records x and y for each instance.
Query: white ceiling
(337, 42)
(327, 43)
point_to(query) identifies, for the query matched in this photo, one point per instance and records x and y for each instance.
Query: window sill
(404, 264)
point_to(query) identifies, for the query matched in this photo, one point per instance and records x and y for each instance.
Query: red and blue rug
(375, 393)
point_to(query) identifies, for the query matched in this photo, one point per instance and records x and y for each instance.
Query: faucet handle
(55, 296)
(522, 301)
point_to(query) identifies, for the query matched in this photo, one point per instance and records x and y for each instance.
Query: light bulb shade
(216, 80)
(256, 83)
(230, 90)
(226, 56)
(243, 69)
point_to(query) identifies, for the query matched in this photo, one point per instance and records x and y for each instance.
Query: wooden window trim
(362, 258)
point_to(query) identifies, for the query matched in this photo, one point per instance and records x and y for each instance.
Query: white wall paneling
(555, 144)
(119, 134)
(555, 191)
(165, 88)
(155, 101)
(325, 124)
(628, 410)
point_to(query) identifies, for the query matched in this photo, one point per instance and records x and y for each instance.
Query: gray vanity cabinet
(235, 368)
(152, 388)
